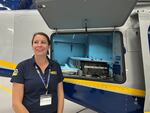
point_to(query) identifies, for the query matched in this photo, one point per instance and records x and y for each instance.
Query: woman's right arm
(17, 97)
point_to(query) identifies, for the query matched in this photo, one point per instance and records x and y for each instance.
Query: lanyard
(45, 85)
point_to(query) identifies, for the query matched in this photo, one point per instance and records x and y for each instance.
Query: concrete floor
(5, 100)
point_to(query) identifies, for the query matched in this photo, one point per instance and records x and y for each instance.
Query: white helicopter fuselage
(117, 94)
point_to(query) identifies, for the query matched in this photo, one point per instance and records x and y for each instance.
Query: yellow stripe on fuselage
(107, 86)
(6, 89)
(7, 64)
(95, 84)
(147, 112)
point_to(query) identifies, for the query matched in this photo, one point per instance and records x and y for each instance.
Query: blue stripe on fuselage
(103, 101)
(6, 72)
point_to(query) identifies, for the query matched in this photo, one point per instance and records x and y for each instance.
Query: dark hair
(43, 34)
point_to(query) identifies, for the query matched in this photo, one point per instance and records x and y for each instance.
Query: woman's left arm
(60, 91)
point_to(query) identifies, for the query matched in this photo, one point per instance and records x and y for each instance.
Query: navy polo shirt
(26, 74)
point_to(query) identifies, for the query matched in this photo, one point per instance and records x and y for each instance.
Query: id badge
(45, 100)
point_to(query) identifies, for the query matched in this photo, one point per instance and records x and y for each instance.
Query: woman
(37, 82)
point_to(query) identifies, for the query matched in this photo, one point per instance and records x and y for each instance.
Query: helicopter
(102, 46)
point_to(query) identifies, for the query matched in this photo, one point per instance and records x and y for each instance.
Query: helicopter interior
(94, 56)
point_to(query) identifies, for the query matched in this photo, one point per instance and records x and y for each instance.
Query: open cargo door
(144, 21)
(78, 14)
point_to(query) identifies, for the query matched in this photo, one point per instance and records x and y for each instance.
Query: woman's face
(40, 45)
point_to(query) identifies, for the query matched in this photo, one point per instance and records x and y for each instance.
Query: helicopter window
(149, 37)
(94, 56)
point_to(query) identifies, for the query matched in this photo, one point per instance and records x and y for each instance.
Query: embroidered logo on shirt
(53, 72)
(15, 73)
